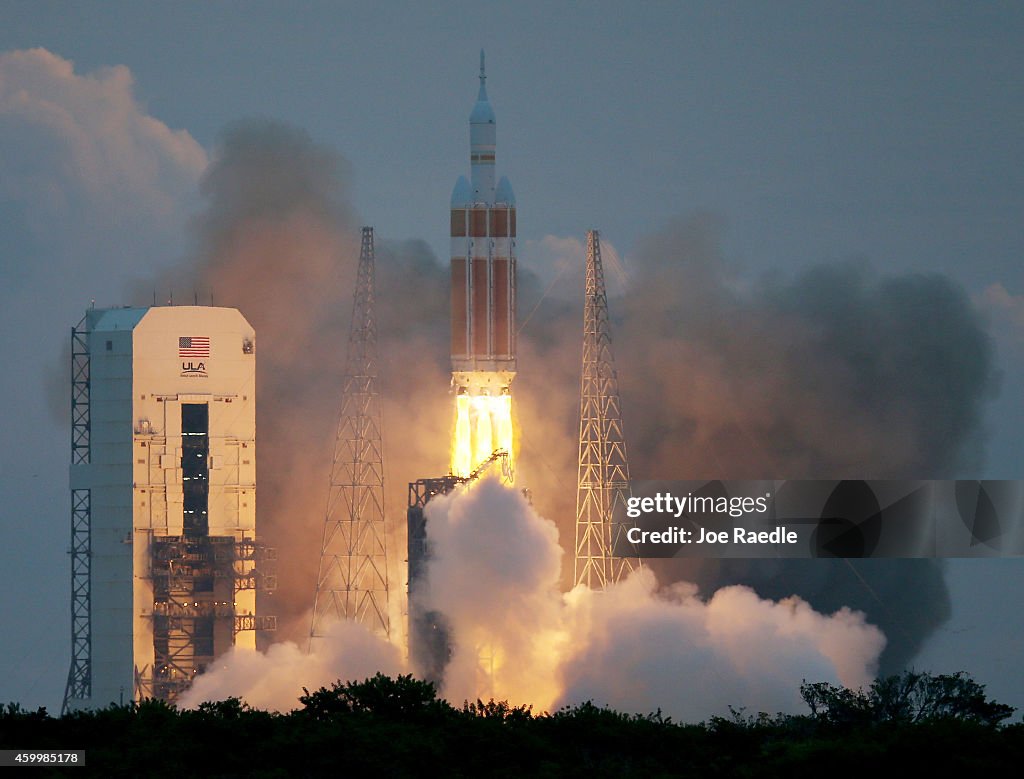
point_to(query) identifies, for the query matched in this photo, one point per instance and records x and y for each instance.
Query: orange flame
(483, 425)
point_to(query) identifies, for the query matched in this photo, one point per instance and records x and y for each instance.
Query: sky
(812, 132)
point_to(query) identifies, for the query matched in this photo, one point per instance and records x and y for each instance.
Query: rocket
(483, 232)
(483, 288)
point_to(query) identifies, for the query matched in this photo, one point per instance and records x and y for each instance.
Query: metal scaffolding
(603, 476)
(79, 684)
(352, 582)
(196, 580)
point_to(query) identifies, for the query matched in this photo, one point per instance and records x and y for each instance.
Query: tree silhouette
(909, 697)
(402, 697)
(399, 727)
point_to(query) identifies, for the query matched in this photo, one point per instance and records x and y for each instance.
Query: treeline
(397, 727)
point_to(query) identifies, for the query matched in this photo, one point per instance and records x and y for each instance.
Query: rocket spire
(482, 141)
(482, 111)
(482, 94)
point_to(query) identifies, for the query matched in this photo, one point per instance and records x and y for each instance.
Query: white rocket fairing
(483, 233)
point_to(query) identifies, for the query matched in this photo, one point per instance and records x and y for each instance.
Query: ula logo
(193, 351)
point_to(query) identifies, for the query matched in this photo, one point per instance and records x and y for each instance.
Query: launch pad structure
(165, 561)
(603, 469)
(429, 633)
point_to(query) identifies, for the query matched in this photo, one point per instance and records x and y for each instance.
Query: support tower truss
(603, 476)
(79, 684)
(352, 582)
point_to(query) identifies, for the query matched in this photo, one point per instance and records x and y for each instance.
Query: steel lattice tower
(79, 684)
(603, 477)
(352, 582)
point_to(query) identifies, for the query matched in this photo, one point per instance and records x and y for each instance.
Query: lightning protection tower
(352, 582)
(603, 476)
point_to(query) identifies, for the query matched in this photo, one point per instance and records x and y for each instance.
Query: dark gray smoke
(836, 373)
(280, 241)
(277, 241)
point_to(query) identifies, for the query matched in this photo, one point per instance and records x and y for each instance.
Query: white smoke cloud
(82, 153)
(92, 188)
(494, 573)
(640, 649)
(495, 576)
(274, 679)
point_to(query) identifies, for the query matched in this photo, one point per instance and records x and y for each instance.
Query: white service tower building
(165, 563)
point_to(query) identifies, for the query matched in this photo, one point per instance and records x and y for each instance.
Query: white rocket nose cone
(482, 112)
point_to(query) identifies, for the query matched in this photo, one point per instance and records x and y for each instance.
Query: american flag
(194, 346)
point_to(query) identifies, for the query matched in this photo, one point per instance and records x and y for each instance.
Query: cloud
(94, 190)
(639, 649)
(274, 679)
(494, 573)
(824, 374)
(86, 168)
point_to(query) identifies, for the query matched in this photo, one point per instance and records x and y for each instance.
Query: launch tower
(603, 476)
(352, 582)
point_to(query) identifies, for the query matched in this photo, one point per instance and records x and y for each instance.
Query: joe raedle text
(738, 535)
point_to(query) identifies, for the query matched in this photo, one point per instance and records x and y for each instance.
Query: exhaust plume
(495, 576)
(515, 636)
